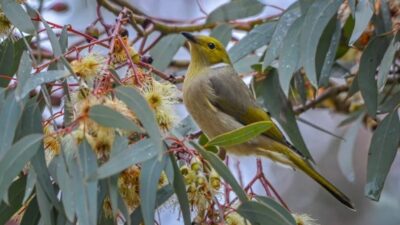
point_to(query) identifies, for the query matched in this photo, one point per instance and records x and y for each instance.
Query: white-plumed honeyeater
(219, 101)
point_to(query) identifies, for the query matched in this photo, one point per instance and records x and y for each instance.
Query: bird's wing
(233, 97)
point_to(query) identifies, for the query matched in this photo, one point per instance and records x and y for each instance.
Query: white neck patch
(218, 65)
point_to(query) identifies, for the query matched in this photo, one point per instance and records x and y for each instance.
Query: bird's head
(206, 51)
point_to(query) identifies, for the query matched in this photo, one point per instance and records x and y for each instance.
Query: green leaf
(269, 91)
(332, 34)
(45, 207)
(136, 102)
(41, 78)
(6, 59)
(30, 185)
(305, 5)
(382, 150)
(15, 159)
(235, 10)
(15, 195)
(88, 165)
(289, 55)
(256, 38)
(387, 61)
(185, 127)
(222, 170)
(369, 62)
(108, 117)
(363, 14)
(390, 104)
(149, 178)
(9, 117)
(262, 214)
(139, 152)
(346, 150)
(17, 15)
(55, 45)
(244, 65)
(240, 135)
(31, 215)
(180, 190)
(162, 196)
(223, 33)
(272, 203)
(203, 140)
(163, 52)
(66, 185)
(24, 71)
(317, 18)
(282, 27)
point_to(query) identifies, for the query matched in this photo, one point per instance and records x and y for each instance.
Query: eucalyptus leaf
(282, 27)
(180, 190)
(382, 150)
(240, 135)
(17, 15)
(9, 117)
(262, 214)
(235, 10)
(15, 159)
(256, 38)
(369, 62)
(42, 78)
(163, 52)
(136, 102)
(149, 179)
(15, 197)
(108, 117)
(23, 73)
(289, 55)
(139, 152)
(363, 14)
(223, 33)
(387, 61)
(272, 203)
(317, 18)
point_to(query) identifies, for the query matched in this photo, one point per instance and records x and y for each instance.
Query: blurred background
(300, 193)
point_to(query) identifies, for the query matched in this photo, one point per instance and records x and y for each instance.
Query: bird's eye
(211, 45)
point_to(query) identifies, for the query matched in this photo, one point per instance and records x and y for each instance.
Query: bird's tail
(285, 154)
(304, 166)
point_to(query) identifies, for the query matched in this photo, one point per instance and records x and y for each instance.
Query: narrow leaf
(363, 14)
(15, 196)
(282, 27)
(136, 102)
(149, 177)
(42, 78)
(139, 152)
(289, 55)
(387, 61)
(223, 33)
(108, 117)
(272, 203)
(316, 19)
(263, 214)
(163, 52)
(235, 10)
(382, 151)
(240, 135)
(15, 159)
(256, 38)
(369, 62)
(17, 15)
(23, 73)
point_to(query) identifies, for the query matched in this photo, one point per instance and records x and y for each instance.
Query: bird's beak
(190, 37)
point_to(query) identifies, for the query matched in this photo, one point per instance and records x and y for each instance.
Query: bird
(219, 101)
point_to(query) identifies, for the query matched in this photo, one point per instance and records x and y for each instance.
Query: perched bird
(219, 101)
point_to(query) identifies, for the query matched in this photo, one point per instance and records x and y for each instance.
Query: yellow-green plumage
(219, 101)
